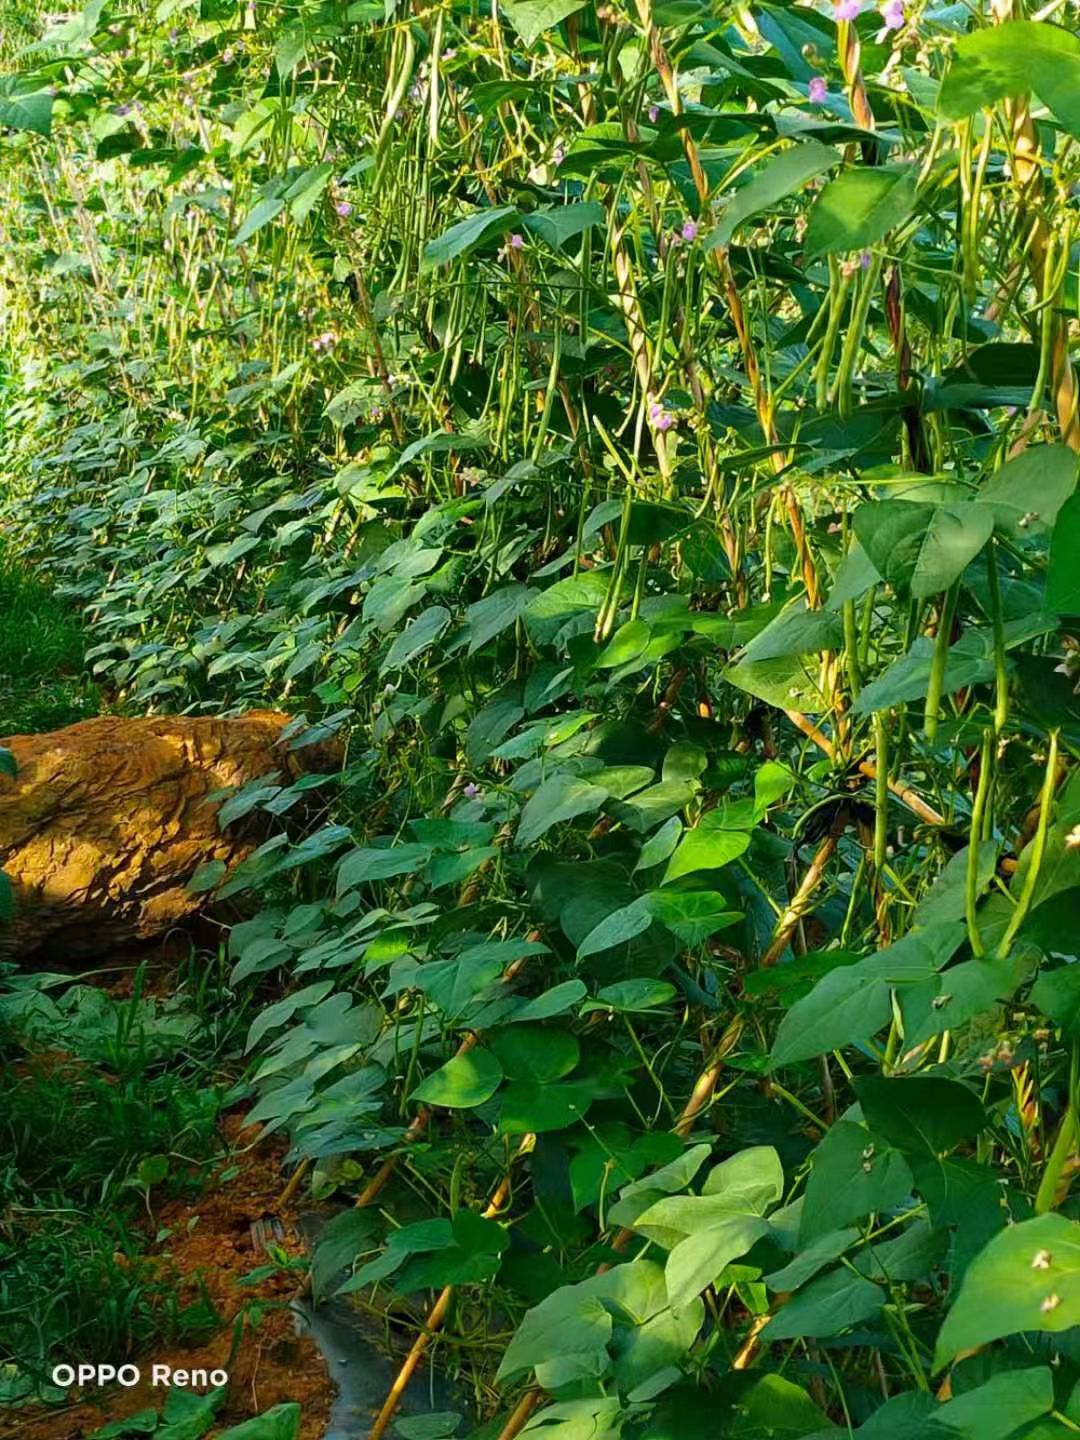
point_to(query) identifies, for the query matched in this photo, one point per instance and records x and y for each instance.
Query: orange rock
(106, 821)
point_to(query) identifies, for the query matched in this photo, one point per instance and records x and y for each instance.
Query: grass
(43, 684)
(107, 1107)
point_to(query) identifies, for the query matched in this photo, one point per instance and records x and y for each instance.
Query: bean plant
(644, 436)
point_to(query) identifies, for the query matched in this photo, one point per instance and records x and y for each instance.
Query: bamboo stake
(699, 1098)
(800, 902)
(762, 399)
(438, 1312)
(520, 1414)
(911, 798)
(1026, 158)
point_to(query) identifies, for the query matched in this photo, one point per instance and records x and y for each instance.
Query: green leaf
(821, 1251)
(494, 614)
(699, 1260)
(631, 997)
(997, 61)
(946, 899)
(259, 215)
(562, 798)
(1026, 1279)
(143, 1422)
(439, 1425)
(453, 984)
(463, 1082)
(1029, 490)
(692, 915)
(659, 847)
(530, 18)
(8, 763)
(752, 1180)
(530, 1052)
(617, 928)
(844, 1008)
(789, 682)
(949, 1000)
(280, 1423)
(828, 1305)
(707, 847)
(303, 194)
(188, 1416)
(282, 1011)
(419, 635)
(564, 1339)
(628, 642)
(795, 631)
(922, 548)
(1056, 993)
(556, 224)
(855, 1173)
(463, 238)
(472, 1257)
(969, 662)
(670, 1218)
(362, 866)
(290, 49)
(859, 208)
(911, 1255)
(555, 1001)
(566, 600)
(25, 104)
(453, 869)
(1063, 577)
(854, 576)
(921, 1114)
(535, 1106)
(438, 442)
(1001, 1406)
(780, 176)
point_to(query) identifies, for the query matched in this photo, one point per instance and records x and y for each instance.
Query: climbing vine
(647, 438)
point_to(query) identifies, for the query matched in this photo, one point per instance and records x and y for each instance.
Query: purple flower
(864, 259)
(661, 419)
(893, 15)
(818, 91)
(689, 230)
(558, 155)
(471, 791)
(517, 242)
(654, 114)
(847, 9)
(343, 208)
(449, 54)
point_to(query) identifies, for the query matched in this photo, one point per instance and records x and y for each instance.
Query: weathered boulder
(106, 821)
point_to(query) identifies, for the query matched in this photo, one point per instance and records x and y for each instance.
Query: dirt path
(211, 1246)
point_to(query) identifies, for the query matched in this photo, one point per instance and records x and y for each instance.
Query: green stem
(881, 792)
(1001, 672)
(1038, 849)
(1046, 1196)
(937, 668)
(971, 888)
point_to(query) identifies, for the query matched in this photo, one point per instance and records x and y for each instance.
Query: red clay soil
(211, 1242)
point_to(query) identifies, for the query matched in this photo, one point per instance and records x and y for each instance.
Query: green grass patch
(42, 681)
(108, 1107)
